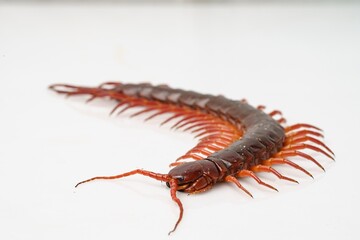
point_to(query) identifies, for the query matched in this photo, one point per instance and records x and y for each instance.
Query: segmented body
(237, 139)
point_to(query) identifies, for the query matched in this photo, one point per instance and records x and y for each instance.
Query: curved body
(238, 140)
(263, 135)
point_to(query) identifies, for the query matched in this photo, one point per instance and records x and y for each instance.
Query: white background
(303, 60)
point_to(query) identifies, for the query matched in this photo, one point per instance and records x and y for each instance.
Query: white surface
(303, 60)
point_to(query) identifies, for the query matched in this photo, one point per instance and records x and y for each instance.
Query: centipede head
(194, 177)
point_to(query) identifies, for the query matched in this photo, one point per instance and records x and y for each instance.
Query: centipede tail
(236, 140)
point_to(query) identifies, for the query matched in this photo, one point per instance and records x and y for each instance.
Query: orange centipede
(236, 140)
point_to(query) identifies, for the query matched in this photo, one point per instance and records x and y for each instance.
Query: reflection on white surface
(303, 60)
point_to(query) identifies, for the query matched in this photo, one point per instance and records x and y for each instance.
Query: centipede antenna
(157, 176)
(173, 189)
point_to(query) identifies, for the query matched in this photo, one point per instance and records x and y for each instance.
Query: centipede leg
(301, 125)
(247, 173)
(301, 139)
(190, 155)
(145, 110)
(130, 105)
(92, 98)
(109, 85)
(264, 168)
(200, 118)
(281, 120)
(176, 115)
(275, 112)
(117, 107)
(273, 161)
(295, 153)
(187, 119)
(166, 110)
(233, 179)
(261, 107)
(301, 146)
(304, 133)
(200, 123)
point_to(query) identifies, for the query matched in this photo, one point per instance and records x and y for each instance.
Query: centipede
(235, 139)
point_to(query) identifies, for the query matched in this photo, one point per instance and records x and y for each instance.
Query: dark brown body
(263, 135)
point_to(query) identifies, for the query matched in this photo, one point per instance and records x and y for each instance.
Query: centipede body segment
(236, 140)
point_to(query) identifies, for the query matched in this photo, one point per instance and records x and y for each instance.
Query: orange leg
(233, 179)
(109, 85)
(202, 123)
(295, 153)
(209, 145)
(147, 109)
(247, 173)
(201, 151)
(172, 117)
(213, 128)
(118, 106)
(166, 110)
(188, 117)
(228, 134)
(261, 107)
(190, 155)
(272, 161)
(304, 133)
(92, 98)
(301, 125)
(135, 103)
(281, 120)
(275, 112)
(219, 137)
(300, 146)
(200, 119)
(301, 139)
(264, 168)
